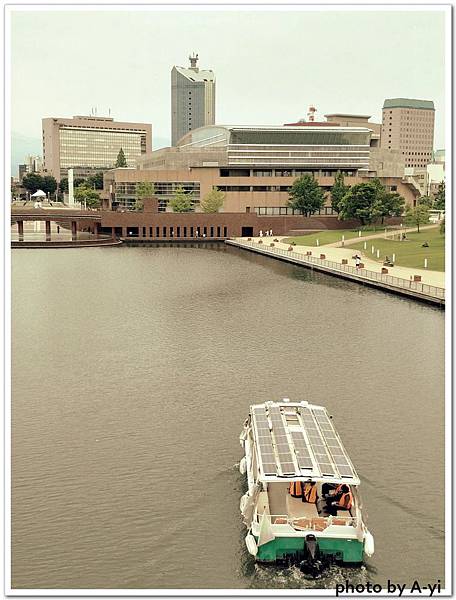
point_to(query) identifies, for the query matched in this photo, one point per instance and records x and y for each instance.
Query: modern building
(91, 144)
(31, 164)
(408, 126)
(192, 99)
(439, 156)
(22, 171)
(426, 181)
(254, 166)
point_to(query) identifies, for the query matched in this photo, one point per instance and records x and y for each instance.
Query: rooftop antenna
(193, 60)
(311, 113)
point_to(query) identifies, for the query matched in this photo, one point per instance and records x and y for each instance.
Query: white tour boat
(302, 505)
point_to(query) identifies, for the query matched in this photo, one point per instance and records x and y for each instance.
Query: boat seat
(317, 524)
(280, 521)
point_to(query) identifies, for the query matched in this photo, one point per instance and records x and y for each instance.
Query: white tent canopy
(39, 194)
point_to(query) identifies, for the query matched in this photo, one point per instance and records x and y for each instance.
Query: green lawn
(330, 236)
(410, 253)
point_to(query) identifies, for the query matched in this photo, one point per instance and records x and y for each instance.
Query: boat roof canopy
(297, 440)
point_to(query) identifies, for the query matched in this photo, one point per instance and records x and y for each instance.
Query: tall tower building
(408, 126)
(192, 99)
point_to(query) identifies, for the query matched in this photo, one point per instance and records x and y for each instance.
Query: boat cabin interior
(284, 503)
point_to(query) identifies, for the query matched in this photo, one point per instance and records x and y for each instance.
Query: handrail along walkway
(430, 291)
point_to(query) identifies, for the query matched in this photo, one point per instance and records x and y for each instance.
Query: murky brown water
(133, 370)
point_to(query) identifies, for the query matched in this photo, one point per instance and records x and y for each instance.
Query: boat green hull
(281, 548)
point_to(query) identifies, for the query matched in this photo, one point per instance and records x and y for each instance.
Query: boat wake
(266, 576)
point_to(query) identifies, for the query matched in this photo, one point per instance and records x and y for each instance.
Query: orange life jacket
(345, 501)
(295, 489)
(309, 493)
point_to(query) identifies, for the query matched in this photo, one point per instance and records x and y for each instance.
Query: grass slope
(331, 236)
(410, 253)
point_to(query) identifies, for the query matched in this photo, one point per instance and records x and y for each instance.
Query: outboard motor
(312, 564)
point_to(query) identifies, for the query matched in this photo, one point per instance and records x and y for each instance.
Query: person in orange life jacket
(309, 492)
(295, 489)
(342, 499)
(306, 490)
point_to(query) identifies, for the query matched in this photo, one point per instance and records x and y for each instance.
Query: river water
(133, 371)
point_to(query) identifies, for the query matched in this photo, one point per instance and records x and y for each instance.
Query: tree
(95, 181)
(369, 202)
(425, 200)
(442, 226)
(32, 182)
(338, 190)
(63, 185)
(439, 200)
(389, 204)
(145, 189)
(121, 161)
(306, 196)
(417, 215)
(87, 195)
(49, 184)
(360, 202)
(181, 201)
(212, 201)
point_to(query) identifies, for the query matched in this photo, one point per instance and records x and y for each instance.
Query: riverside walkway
(418, 284)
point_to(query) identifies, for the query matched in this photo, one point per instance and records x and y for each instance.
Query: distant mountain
(22, 146)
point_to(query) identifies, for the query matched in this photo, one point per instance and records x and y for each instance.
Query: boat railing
(314, 523)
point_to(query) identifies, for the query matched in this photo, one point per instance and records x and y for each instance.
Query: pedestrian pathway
(435, 278)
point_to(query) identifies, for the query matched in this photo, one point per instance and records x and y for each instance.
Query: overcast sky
(269, 66)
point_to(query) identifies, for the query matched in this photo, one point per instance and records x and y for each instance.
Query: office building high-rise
(408, 126)
(192, 99)
(91, 144)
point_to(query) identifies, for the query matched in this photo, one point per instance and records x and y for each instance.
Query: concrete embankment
(389, 283)
(66, 243)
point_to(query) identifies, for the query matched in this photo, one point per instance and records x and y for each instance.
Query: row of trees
(182, 201)
(368, 202)
(33, 182)
(85, 190)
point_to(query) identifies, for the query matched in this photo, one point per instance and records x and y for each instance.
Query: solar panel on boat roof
(301, 450)
(265, 449)
(336, 450)
(317, 443)
(284, 455)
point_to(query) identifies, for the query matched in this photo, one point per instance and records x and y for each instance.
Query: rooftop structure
(408, 103)
(192, 99)
(342, 147)
(349, 120)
